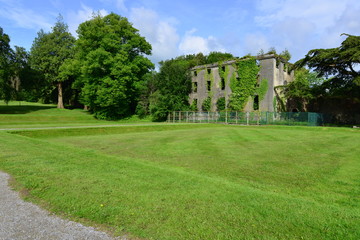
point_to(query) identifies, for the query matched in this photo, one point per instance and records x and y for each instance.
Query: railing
(248, 118)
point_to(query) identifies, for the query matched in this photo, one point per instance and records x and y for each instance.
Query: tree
(339, 63)
(286, 55)
(49, 51)
(110, 53)
(305, 87)
(215, 57)
(174, 85)
(6, 59)
(146, 88)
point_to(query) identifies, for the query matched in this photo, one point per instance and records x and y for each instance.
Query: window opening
(256, 102)
(222, 84)
(195, 85)
(209, 86)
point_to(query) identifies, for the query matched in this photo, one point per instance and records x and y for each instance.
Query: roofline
(260, 57)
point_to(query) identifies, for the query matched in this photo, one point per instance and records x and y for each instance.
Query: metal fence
(248, 118)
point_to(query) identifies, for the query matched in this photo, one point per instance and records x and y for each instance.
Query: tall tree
(110, 52)
(49, 51)
(6, 59)
(174, 85)
(305, 87)
(339, 63)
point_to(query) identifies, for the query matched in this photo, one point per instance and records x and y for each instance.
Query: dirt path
(20, 220)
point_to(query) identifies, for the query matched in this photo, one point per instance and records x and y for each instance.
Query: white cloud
(82, 15)
(22, 17)
(304, 25)
(161, 34)
(191, 44)
(320, 12)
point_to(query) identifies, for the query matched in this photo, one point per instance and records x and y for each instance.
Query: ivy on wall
(221, 104)
(206, 105)
(193, 106)
(223, 72)
(244, 85)
(262, 89)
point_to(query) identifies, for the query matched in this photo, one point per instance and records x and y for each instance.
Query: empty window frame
(256, 103)
(222, 85)
(195, 86)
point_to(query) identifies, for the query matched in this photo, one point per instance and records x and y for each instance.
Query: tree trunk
(60, 96)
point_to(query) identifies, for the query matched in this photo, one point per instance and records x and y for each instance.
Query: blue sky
(176, 27)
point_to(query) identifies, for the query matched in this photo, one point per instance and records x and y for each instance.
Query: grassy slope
(30, 115)
(195, 181)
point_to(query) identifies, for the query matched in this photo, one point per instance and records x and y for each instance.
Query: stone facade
(206, 81)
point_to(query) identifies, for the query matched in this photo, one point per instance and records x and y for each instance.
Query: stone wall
(206, 81)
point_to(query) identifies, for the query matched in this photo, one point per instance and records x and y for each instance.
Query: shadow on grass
(22, 109)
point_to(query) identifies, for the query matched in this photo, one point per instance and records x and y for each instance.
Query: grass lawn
(35, 115)
(196, 181)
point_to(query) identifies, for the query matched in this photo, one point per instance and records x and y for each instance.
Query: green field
(36, 115)
(192, 181)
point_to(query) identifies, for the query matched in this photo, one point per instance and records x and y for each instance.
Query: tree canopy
(6, 58)
(339, 63)
(173, 84)
(48, 53)
(110, 53)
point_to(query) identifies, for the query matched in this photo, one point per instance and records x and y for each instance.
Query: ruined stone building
(272, 68)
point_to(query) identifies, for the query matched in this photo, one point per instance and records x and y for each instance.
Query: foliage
(339, 63)
(49, 52)
(224, 73)
(174, 85)
(221, 104)
(110, 52)
(193, 106)
(206, 105)
(243, 86)
(306, 86)
(6, 58)
(215, 57)
(146, 87)
(262, 89)
(286, 55)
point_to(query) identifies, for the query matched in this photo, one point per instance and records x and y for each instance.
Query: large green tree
(340, 63)
(306, 87)
(173, 84)
(110, 53)
(6, 59)
(48, 53)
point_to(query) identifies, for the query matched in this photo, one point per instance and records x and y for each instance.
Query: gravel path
(20, 220)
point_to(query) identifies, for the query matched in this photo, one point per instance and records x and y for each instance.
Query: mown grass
(34, 115)
(195, 181)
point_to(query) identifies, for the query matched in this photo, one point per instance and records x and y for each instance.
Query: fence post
(226, 117)
(187, 116)
(180, 117)
(236, 117)
(247, 118)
